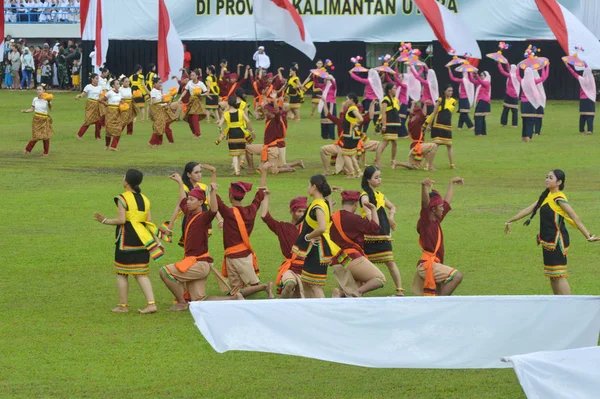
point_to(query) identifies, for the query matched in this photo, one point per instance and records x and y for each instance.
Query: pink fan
(415, 62)
(384, 68)
(574, 61)
(404, 56)
(456, 61)
(535, 63)
(320, 73)
(466, 68)
(498, 57)
(359, 68)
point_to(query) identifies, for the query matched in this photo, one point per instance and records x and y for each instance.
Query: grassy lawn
(60, 339)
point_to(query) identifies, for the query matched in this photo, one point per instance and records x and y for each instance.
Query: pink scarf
(513, 78)
(469, 88)
(433, 85)
(540, 88)
(487, 78)
(530, 89)
(588, 84)
(413, 86)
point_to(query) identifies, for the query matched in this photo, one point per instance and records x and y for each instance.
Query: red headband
(435, 200)
(350, 195)
(239, 189)
(298, 203)
(196, 192)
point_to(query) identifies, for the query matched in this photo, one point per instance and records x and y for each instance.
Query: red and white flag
(2, 39)
(450, 30)
(570, 32)
(92, 28)
(281, 19)
(170, 48)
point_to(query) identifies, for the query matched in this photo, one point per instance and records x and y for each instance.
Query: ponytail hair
(367, 175)
(232, 102)
(189, 167)
(320, 182)
(560, 175)
(134, 178)
(387, 88)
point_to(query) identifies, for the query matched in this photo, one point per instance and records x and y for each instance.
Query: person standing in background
(15, 59)
(261, 59)
(187, 58)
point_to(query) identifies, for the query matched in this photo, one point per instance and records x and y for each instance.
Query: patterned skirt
(236, 141)
(160, 117)
(41, 127)
(195, 107)
(92, 112)
(131, 256)
(128, 116)
(114, 122)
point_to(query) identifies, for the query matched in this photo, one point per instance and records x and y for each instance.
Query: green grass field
(61, 340)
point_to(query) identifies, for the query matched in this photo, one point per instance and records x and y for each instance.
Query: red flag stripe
(286, 5)
(163, 30)
(84, 7)
(553, 15)
(99, 33)
(431, 12)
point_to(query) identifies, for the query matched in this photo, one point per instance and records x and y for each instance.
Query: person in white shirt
(128, 115)
(195, 109)
(161, 114)
(41, 127)
(92, 107)
(28, 67)
(261, 59)
(114, 125)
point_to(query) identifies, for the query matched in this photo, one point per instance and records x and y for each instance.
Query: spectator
(15, 59)
(28, 67)
(47, 73)
(187, 58)
(8, 42)
(262, 60)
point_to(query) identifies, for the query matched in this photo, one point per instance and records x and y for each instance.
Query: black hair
(239, 92)
(102, 70)
(189, 167)
(112, 82)
(151, 66)
(155, 80)
(388, 87)
(211, 69)
(92, 76)
(353, 97)
(446, 87)
(295, 65)
(134, 178)
(232, 101)
(294, 69)
(560, 175)
(196, 71)
(368, 174)
(321, 183)
(137, 68)
(223, 61)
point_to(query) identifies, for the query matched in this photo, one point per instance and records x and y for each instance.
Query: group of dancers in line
(316, 238)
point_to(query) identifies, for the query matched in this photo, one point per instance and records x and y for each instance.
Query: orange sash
(189, 261)
(233, 87)
(286, 266)
(264, 155)
(429, 287)
(336, 218)
(244, 246)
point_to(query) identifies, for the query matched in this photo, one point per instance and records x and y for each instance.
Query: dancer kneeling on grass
(136, 241)
(240, 263)
(41, 126)
(378, 246)
(418, 149)
(288, 280)
(432, 276)
(554, 237)
(355, 274)
(197, 264)
(314, 246)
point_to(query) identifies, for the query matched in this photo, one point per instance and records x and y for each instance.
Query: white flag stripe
(579, 35)
(458, 35)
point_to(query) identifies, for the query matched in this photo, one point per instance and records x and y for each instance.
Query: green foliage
(60, 339)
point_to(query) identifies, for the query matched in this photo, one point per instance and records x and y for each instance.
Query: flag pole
(255, 35)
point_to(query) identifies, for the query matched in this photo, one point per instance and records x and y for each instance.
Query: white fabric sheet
(413, 332)
(569, 374)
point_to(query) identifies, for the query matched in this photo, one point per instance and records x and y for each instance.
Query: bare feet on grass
(120, 309)
(178, 307)
(150, 308)
(269, 290)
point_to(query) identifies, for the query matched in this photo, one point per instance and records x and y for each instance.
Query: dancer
(433, 277)
(235, 132)
(316, 91)
(418, 149)
(531, 101)
(240, 98)
(140, 91)
(239, 263)
(554, 211)
(390, 123)
(482, 100)
(587, 99)
(427, 102)
(136, 241)
(288, 280)
(511, 95)
(368, 97)
(41, 125)
(293, 90)
(212, 100)
(378, 247)
(440, 123)
(151, 75)
(355, 274)
(129, 113)
(466, 95)
(182, 82)
(329, 98)
(402, 94)
(197, 264)
(195, 110)
(113, 120)
(92, 107)
(314, 246)
(161, 114)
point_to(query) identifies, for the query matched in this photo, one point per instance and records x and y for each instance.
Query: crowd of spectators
(25, 66)
(41, 11)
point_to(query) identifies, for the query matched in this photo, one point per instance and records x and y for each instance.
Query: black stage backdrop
(123, 55)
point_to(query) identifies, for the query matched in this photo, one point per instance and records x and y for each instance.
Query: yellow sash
(144, 229)
(314, 223)
(551, 201)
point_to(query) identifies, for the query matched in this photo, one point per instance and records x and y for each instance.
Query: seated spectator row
(41, 11)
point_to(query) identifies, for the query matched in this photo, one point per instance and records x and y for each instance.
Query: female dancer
(92, 107)
(151, 75)
(466, 95)
(482, 100)
(554, 237)
(212, 100)
(531, 101)
(511, 95)
(127, 115)
(440, 123)
(390, 123)
(587, 99)
(316, 91)
(136, 241)
(378, 247)
(195, 110)
(161, 114)
(41, 126)
(426, 100)
(113, 120)
(314, 246)
(240, 96)
(329, 92)
(235, 132)
(402, 98)
(293, 90)
(140, 90)
(368, 96)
